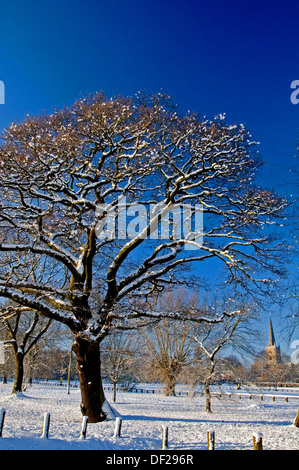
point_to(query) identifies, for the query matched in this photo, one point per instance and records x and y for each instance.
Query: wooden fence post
(117, 429)
(296, 422)
(211, 440)
(84, 427)
(164, 437)
(46, 425)
(2, 417)
(257, 441)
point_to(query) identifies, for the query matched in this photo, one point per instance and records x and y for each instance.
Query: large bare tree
(62, 175)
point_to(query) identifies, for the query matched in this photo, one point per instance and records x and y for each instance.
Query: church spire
(271, 334)
(272, 351)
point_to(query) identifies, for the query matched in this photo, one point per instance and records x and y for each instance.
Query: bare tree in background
(211, 339)
(57, 170)
(167, 349)
(7, 368)
(118, 356)
(24, 329)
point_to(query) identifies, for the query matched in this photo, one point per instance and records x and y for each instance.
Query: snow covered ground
(234, 421)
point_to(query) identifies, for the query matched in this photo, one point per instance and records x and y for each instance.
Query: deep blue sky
(221, 56)
(237, 57)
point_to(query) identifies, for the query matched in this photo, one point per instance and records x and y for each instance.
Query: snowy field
(234, 421)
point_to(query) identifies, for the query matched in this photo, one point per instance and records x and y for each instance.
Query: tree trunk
(208, 396)
(19, 373)
(169, 390)
(171, 375)
(208, 381)
(114, 391)
(89, 370)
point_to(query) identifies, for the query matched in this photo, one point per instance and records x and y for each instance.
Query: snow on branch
(41, 306)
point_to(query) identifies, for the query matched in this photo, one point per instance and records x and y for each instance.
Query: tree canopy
(63, 174)
(57, 169)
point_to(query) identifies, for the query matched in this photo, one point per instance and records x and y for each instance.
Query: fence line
(190, 393)
(257, 436)
(193, 393)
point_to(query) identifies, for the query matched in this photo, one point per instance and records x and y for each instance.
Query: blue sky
(212, 57)
(220, 56)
